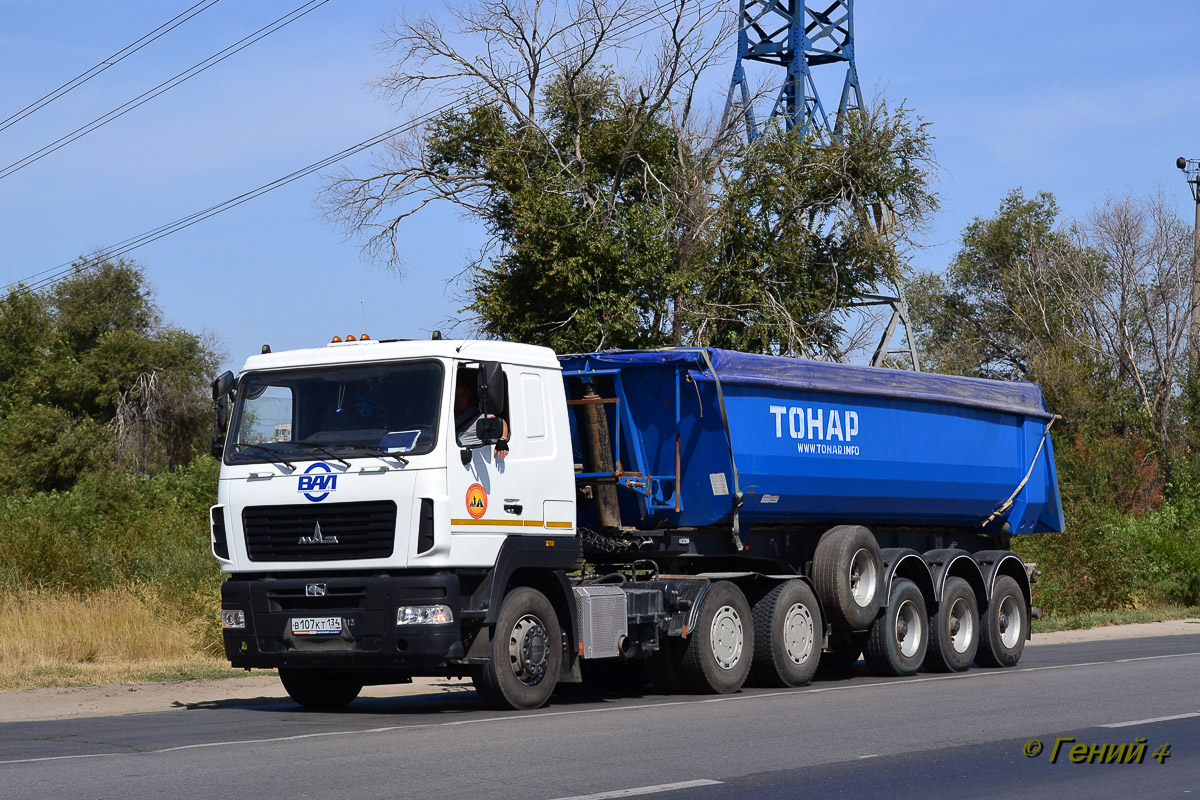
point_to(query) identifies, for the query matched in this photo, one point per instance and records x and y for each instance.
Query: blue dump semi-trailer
(694, 518)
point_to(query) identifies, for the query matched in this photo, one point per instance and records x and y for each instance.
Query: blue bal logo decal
(317, 482)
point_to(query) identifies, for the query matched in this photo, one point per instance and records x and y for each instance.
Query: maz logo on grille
(317, 537)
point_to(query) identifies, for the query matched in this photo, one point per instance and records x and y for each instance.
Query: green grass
(1099, 619)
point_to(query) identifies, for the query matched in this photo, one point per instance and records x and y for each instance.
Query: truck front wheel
(526, 653)
(717, 654)
(319, 689)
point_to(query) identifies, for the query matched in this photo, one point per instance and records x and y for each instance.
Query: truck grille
(346, 531)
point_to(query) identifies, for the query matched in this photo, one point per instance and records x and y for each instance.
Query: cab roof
(374, 350)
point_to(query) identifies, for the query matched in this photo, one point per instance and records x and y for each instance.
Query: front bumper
(370, 637)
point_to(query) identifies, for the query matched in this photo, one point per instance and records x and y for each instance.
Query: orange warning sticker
(476, 501)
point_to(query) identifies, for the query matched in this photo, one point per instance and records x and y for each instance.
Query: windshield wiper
(374, 450)
(274, 454)
(324, 450)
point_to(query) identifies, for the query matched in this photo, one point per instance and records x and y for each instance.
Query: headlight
(424, 615)
(232, 618)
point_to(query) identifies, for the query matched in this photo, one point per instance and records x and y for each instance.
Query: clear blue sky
(1078, 98)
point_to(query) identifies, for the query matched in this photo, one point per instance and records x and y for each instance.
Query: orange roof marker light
(364, 338)
(336, 340)
(350, 338)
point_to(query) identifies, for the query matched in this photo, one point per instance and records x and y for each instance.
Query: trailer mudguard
(994, 563)
(954, 563)
(907, 563)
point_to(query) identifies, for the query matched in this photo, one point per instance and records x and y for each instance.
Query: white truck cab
(362, 518)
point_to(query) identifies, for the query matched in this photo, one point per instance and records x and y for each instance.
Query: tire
(954, 630)
(900, 636)
(848, 574)
(718, 653)
(787, 636)
(319, 689)
(526, 653)
(1004, 627)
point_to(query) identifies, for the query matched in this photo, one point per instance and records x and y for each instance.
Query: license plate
(316, 626)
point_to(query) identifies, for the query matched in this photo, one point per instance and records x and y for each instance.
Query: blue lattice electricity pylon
(797, 37)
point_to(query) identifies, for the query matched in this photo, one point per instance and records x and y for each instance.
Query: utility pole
(1191, 169)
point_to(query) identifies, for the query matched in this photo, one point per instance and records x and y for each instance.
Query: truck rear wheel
(320, 689)
(787, 632)
(954, 629)
(717, 654)
(526, 653)
(848, 571)
(900, 637)
(1005, 624)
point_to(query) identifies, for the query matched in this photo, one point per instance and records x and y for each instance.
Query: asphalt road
(928, 736)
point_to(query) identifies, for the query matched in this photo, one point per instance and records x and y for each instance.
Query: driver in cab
(466, 416)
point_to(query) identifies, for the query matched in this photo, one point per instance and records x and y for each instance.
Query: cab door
(488, 496)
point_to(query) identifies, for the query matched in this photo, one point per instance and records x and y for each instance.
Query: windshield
(336, 413)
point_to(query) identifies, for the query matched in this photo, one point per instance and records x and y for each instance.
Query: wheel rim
(862, 578)
(1010, 622)
(908, 629)
(798, 633)
(962, 626)
(726, 637)
(528, 653)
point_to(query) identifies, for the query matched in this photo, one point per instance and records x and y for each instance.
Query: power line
(165, 86)
(111, 61)
(52, 275)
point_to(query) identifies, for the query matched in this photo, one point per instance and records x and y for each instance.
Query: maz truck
(694, 517)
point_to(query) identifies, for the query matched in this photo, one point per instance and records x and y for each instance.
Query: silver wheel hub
(528, 653)
(1010, 622)
(726, 637)
(962, 626)
(798, 630)
(863, 577)
(909, 632)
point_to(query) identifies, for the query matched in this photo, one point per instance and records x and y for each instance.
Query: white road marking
(1152, 719)
(637, 790)
(873, 755)
(729, 698)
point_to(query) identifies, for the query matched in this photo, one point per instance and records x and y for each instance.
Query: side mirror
(218, 447)
(489, 430)
(491, 389)
(222, 388)
(222, 385)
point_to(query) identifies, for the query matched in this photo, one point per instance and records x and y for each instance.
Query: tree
(622, 211)
(1095, 310)
(70, 356)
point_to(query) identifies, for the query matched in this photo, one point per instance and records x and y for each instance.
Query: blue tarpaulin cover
(797, 373)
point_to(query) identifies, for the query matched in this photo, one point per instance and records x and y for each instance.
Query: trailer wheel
(900, 637)
(954, 629)
(319, 689)
(526, 653)
(848, 571)
(787, 632)
(1005, 624)
(717, 655)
